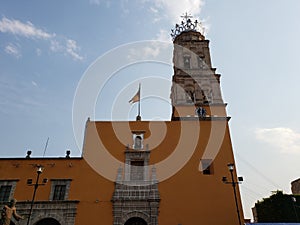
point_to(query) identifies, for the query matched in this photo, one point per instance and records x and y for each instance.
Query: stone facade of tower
(195, 82)
(194, 79)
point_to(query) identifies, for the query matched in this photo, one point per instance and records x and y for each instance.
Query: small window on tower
(201, 63)
(187, 62)
(207, 167)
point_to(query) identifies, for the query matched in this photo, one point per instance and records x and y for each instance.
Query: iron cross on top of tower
(186, 17)
(186, 25)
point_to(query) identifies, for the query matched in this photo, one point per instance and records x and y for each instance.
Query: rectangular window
(59, 192)
(207, 167)
(5, 192)
(60, 189)
(137, 170)
(138, 142)
(201, 63)
(187, 62)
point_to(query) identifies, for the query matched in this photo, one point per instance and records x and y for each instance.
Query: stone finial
(28, 154)
(68, 152)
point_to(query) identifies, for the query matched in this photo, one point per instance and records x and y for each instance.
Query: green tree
(278, 207)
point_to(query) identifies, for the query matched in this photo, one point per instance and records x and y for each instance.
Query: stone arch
(204, 93)
(135, 221)
(48, 221)
(43, 215)
(137, 214)
(190, 92)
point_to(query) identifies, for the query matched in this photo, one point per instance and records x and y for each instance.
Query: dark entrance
(48, 221)
(135, 221)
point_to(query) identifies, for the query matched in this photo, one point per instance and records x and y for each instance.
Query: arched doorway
(48, 221)
(135, 221)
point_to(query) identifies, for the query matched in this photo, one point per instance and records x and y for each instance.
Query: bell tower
(195, 90)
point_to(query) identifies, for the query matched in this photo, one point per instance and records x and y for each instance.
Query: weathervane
(186, 25)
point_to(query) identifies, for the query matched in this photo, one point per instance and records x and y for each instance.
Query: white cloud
(58, 43)
(72, 49)
(174, 9)
(99, 2)
(124, 7)
(55, 46)
(153, 10)
(95, 2)
(153, 50)
(144, 53)
(204, 26)
(28, 30)
(34, 83)
(163, 35)
(13, 50)
(285, 139)
(139, 54)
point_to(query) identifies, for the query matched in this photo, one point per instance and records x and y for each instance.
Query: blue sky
(46, 47)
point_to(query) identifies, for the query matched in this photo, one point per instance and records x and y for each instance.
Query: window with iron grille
(5, 191)
(60, 189)
(59, 192)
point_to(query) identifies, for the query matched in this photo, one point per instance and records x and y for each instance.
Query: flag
(136, 97)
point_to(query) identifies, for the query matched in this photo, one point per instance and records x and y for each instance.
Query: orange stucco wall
(93, 191)
(187, 197)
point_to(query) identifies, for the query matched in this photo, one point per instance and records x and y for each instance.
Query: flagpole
(139, 118)
(140, 99)
(137, 98)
